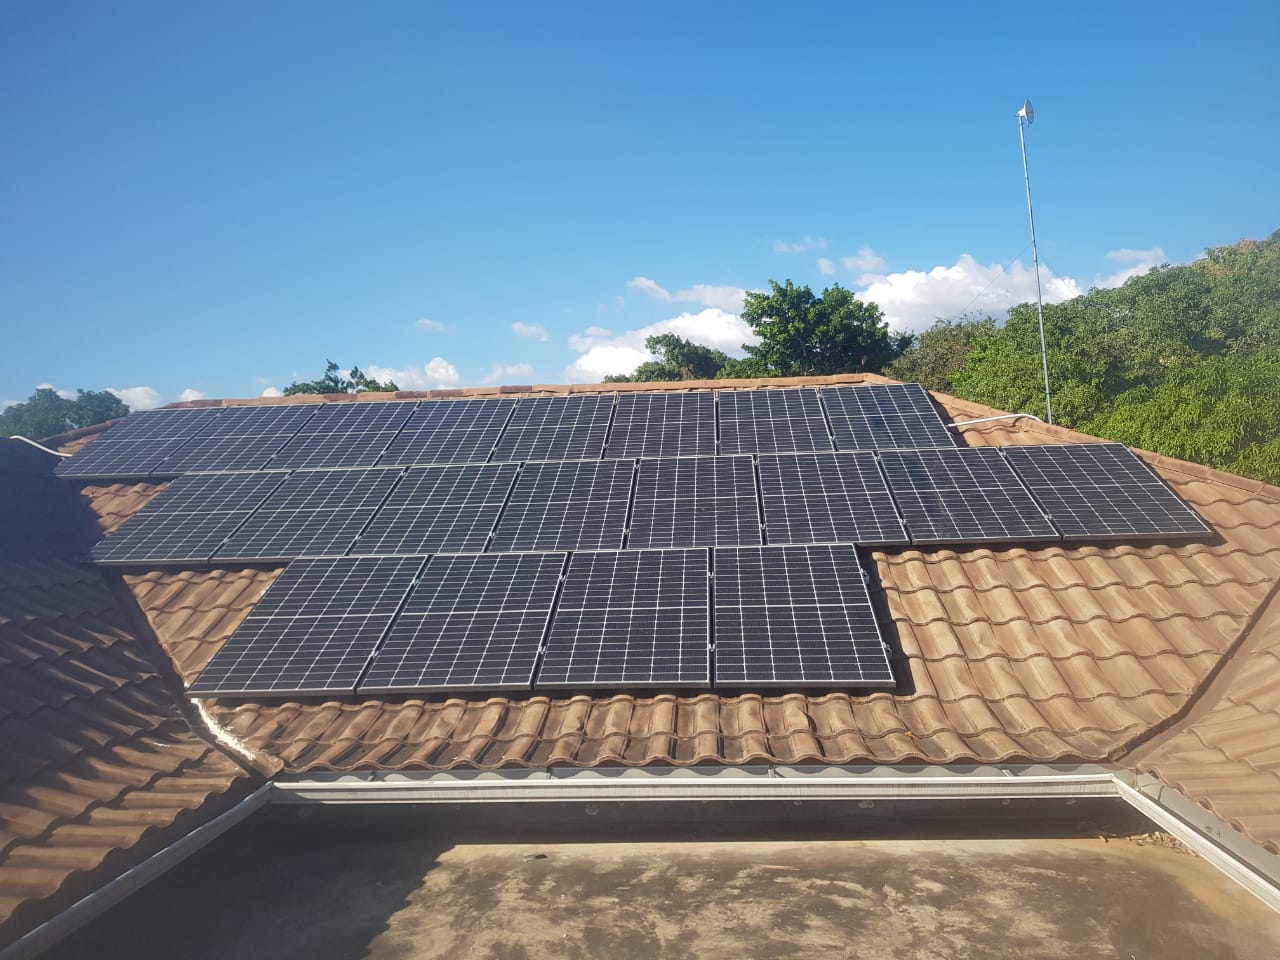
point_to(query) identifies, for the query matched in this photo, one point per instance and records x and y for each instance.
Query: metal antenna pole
(1035, 259)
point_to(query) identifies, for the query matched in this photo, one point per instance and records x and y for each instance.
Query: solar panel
(772, 421)
(570, 505)
(663, 425)
(315, 512)
(314, 629)
(557, 428)
(243, 438)
(132, 448)
(440, 508)
(1102, 490)
(695, 502)
(638, 618)
(795, 616)
(353, 434)
(962, 494)
(450, 431)
(189, 519)
(471, 623)
(828, 498)
(883, 416)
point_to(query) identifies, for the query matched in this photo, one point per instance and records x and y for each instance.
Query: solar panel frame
(884, 416)
(963, 495)
(837, 497)
(242, 438)
(353, 434)
(695, 502)
(1103, 491)
(439, 509)
(471, 622)
(131, 449)
(317, 513)
(777, 420)
(663, 425)
(314, 631)
(567, 505)
(450, 431)
(795, 616)
(572, 427)
(189, 519)
(633, 618)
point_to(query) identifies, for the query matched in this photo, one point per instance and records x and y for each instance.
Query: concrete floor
(330, 888)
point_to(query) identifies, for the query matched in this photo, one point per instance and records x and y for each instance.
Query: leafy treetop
(677, 359)
(335, 380)
(46, 413)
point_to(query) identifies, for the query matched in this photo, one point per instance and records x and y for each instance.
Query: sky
(211, 200)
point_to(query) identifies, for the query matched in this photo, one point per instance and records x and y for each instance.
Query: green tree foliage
(1167, 362)
(802, 334)
(46, 414)
(936, 355)
(336, 381)
(677, 359)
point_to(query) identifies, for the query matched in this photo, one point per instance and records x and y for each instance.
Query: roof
(1011, 655)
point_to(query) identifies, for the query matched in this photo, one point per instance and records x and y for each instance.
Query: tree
(677, 359)
(46, 413)
(801, 334)
(336, 381)
(938, 354)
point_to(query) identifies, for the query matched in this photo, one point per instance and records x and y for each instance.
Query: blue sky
(212, 199)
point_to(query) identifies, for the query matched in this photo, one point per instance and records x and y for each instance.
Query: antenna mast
(1028, 114)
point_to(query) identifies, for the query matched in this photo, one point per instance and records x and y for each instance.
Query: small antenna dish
(1027, 112)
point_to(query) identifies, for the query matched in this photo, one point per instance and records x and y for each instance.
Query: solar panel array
(664, 425)
(695, 502)
(449, 431)
(133, 448)
(891, 415)
(828, 498)
(567, 505)
(772, 421)
(344, 435)
(557, 428)
(241, 438)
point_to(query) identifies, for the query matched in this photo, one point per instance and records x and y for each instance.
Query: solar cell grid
(884, 416)
(663, 425)
(351, 434)
(436, 509)
(963, 494)
(569, 505)
(471, 622)
(134, 447)
(633, 618)
(314, 630)
(242, 438)
(795, 616)
(450, 431)
(772, 421)
(1102, 490)
(556, 428)
(827, 498)
(695, 502)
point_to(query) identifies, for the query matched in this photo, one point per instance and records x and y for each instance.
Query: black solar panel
(663, 425)
(353, 434)
(884, 416)
(471, 622)
(828, 498)
(573, 505)
(963, 494)
(135, 446)
(313, 513)
(450, 431)
(1102, 490)
(242, 438)
(189, 519)
(435, 509)
(314, 630)
(556, 428)
(795, 616)
(695, 502)
(637, 618)
(772, 421)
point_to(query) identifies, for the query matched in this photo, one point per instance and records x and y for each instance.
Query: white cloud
(64, 394)
(508, 372)
(603, 352)
(189, 394)
(1139, 262)
(138, 398)
(913, 299)
(534, 331)
(865, 260)
(802, 246)
(431, 326)
(6, 404)
(272, 392)
(826, 266)
(707, 294)
(437, 373)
